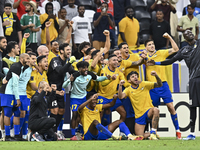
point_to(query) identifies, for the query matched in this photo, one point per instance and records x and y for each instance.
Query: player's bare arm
(159, 81)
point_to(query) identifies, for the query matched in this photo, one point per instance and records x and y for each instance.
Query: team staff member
(58, 68)
(164, 91)
(141, 101)
(10, 100)
(39, 122)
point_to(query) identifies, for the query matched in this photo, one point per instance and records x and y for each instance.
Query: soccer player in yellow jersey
(108, 88)
(141, 102)
(90, 116)
(37, 76)
(164, 91)
(132, 57)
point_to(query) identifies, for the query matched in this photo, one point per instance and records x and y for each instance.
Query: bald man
(10, 100)
(40, 124)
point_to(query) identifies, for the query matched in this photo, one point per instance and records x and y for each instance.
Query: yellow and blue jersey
(158, 56)
(140, 97)
(36, 77)
(88, 116)
(109, 90)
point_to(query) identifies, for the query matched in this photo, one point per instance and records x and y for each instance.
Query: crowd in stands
(40, 41)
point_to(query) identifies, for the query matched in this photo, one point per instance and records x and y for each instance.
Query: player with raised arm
(90, 116)
(139, 96)
(190, 54)
(80, 81)
(164, 91)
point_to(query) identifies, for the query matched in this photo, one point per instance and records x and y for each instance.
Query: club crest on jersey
(43, 79)
(55, 64)
(96, 110)
(87, 79)
(123, 69)
(155, 55)
(195, 45)
(142, 88)
(117, 74)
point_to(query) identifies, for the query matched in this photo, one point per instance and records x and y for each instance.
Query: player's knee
(156, 111)
(95, 122)
(54, 111)
(22, 114)
(61, 111)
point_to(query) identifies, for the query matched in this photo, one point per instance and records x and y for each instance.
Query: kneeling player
(90, 117)
(139, 95)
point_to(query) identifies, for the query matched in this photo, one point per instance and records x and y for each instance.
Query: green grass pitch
(162, 144)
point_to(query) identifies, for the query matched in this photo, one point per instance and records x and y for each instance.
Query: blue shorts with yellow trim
(8, 100)
(143, 119)
(76, 102)
(25, 103)
(103, 100)
(161, 92)
(99, 136)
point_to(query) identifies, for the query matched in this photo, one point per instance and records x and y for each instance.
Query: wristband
(157, 63)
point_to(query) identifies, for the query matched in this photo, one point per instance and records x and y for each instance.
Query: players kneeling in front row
(139, 96)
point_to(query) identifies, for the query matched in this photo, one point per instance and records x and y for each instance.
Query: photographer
(54, 28)
(30, 23)
(39, 123)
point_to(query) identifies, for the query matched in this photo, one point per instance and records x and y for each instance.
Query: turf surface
(163, 144)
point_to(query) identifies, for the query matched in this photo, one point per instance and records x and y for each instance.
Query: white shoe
(61, 136)
(79, 136)
(12, 133)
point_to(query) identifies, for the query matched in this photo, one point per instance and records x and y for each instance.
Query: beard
(27, 10)
(3, 49)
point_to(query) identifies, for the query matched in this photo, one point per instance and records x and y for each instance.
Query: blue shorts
(99, 136)
(143, 119)
(128, 107)
(25, 103)
(161, 92)
(76, 102)
(8, 100)
(103, 100)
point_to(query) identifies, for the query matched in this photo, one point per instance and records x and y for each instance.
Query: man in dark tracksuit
(39, 123)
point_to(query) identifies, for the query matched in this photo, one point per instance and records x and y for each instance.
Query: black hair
(39, 59)
(193, 7)
(131, 73)
(112, 55)
(29, 50)
(121, 44)
(32, 54)
(128, 7)
(82, 64)
(7, 5)
(52, 41)
(62, 46)
(94, 53)
(82, 45)
(160, 10)
(113, 50)
(147, 41)
(104, 3)
(80, 6)
(48, 4)
(62, 9)
(10, 46)
(2, 37)
(88, 51)
(89, 95)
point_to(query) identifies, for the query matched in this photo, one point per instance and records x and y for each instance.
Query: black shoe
(9, 138)
(18, 138)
